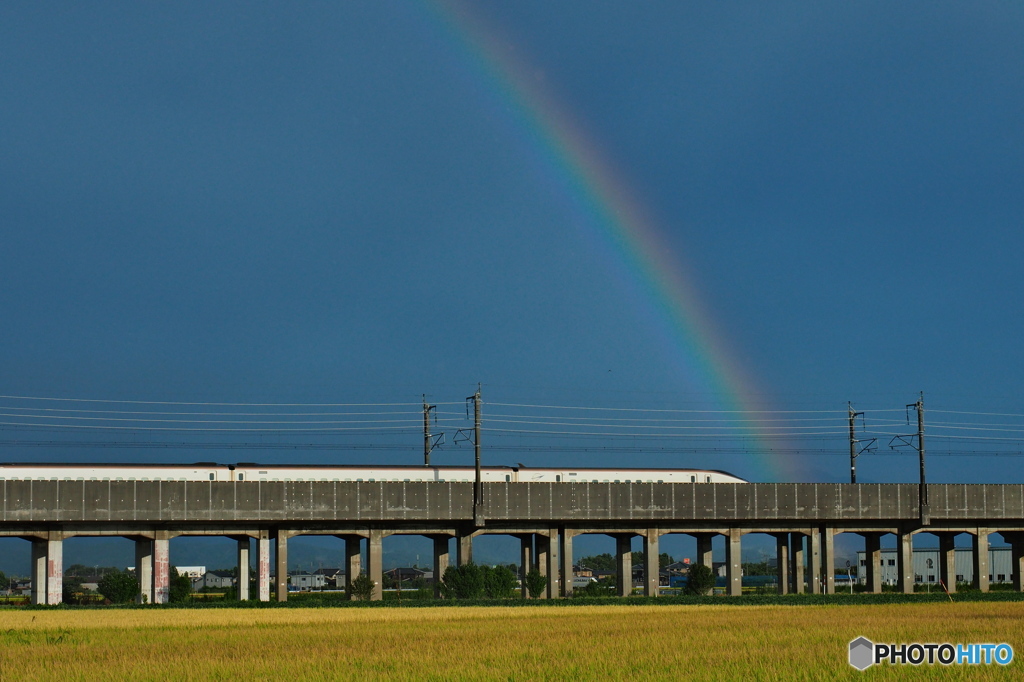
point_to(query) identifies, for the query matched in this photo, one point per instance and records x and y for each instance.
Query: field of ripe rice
(528, 643)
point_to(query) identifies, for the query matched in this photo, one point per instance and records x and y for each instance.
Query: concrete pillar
(947, 560)
(38, 571)
(905, 561)
(54, 569)
(144, 570)
(796, 556)
(525, 562)
(782, 562)
(161, 568)
(652, 564)
(704, 549)
(375, 563)
(565, 552)
(263, 566)
(442, 557)
(828, 559)
(553, 571)
(873, 561)
(624, 564)
(543, 562)
(281, 564)
(465, 549)
(981, 567)
(1016, 541)
(814, 561)
(243, 568)
(353, 565)
(733, 561)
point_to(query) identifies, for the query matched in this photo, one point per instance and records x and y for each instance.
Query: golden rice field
(528, 643)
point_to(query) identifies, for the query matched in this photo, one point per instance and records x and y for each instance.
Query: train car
(248, 471)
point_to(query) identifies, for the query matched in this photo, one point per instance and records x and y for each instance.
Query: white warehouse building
(926, 566)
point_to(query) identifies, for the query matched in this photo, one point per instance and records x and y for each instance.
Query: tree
(71, 588)
(536, 582)
(118, 586)
(463, 582)
(361, 588)
(5, 582)
(180, 587)
(499, 582)
(598, 562)
(700, 579)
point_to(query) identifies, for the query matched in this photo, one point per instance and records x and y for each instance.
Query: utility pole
(854, 452)
(478, 490)
(853, 443)
(923, 492)
(427, 444)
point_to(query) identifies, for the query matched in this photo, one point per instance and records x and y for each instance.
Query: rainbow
(603, 204)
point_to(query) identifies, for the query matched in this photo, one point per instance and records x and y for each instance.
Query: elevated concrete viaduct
(803, 517)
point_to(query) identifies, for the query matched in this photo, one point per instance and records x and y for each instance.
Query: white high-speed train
(247, 471)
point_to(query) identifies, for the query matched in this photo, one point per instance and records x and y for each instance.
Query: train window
(373, 480)
(628, 481)
(359, 480)
(211, 477)
(558, 478)
(709, 479)
(508, 479)
(77, 479)
(241, 477)
(53, 479)
(440, 480)
(406, 480)
(617, 480)
(693, 479)
(335, 480)
(661, 481)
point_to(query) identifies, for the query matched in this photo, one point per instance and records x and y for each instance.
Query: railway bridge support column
(48, 568)
(873, 561)
(442, 558)
(652, 561)
(525, 562)
(1016, 541)
(162, 567)
(244, 545)
(624, 564)
(733, 561)
(353, 564)
(464, 553)
(263, 565)
(144, 569)
(547, 560)
(814, 561)
(375, 562)
(796, 559)
(947, 560)
(281, 564)
(828, 559)
(980, 559)
(782, 562)
(905, 560)
(565, 553)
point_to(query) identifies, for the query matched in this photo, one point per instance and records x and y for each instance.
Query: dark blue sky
(330, 203)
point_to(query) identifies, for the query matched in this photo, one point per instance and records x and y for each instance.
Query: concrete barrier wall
(156, 501)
